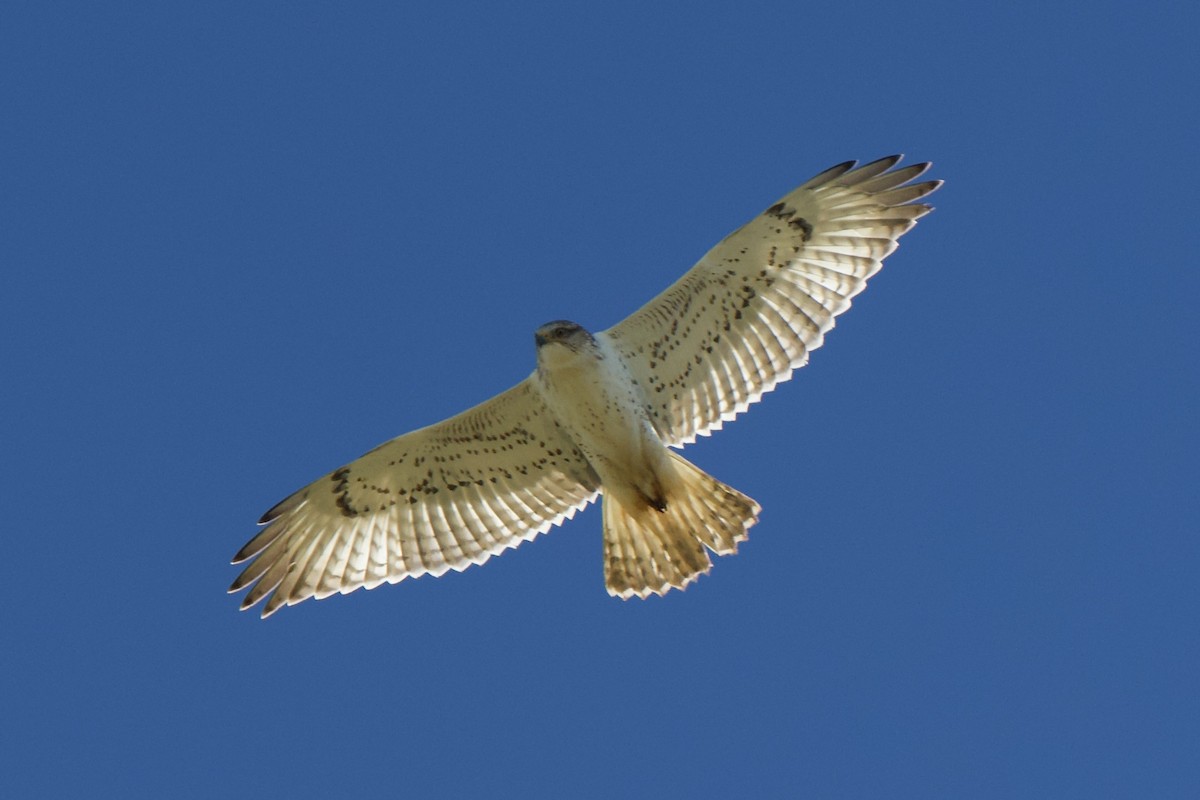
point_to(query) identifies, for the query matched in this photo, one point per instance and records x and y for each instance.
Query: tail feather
(651, 551)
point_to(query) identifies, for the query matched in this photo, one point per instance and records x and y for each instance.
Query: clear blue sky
(242, 243)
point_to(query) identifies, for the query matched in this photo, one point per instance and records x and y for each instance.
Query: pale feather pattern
(437, 499)
(750, 312)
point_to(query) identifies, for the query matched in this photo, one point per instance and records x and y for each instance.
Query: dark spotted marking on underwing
(341, 480)
(343, 503)
(801, 224)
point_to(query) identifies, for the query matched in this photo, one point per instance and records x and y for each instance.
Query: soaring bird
(600, 414)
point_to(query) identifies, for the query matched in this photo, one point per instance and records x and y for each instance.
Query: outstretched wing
(752, 309)
(439, 498)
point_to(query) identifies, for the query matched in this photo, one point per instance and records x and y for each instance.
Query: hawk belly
(601, 410)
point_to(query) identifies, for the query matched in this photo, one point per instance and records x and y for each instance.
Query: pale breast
(595, 401)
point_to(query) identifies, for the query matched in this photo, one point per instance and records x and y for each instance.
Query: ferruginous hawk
(599, 415)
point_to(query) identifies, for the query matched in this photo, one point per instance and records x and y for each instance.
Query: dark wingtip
(268, 610)
(891, 160)
(271, 514)
(833, 173)
(291, 502)
(929, 188)
(243, 554)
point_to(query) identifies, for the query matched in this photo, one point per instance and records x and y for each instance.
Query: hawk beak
(539, 340)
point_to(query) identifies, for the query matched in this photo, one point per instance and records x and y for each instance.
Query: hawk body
(598, 415)
(660, 511)
(591, 394)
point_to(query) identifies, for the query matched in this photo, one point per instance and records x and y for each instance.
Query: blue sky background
(242, 243)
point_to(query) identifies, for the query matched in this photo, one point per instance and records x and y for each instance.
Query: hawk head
(562, 332)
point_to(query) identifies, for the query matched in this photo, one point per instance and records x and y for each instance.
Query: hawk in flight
(600, 414)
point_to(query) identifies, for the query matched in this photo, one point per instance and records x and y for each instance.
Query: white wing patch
(758, 303)
(437, 499)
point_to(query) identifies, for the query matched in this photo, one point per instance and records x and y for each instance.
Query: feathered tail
(648, 550)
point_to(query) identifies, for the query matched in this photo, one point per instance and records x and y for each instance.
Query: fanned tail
(651, 551)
